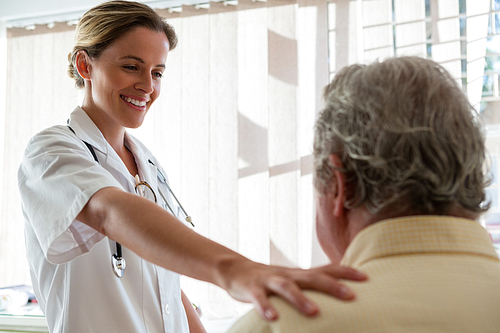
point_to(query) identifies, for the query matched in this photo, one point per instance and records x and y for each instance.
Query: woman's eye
(132, 68)
(158, 75)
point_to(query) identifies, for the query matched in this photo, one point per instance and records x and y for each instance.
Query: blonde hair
(105, 23)
(407, 136)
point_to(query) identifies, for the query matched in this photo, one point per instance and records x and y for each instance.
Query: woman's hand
(253, 283)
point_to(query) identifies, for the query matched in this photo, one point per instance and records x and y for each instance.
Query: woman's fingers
(263, 306)
(324, 279)
(290, 291)
(287, 283)
(342, 272)
(326, 284)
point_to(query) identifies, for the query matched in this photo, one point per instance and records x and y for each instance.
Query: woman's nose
(146, 83)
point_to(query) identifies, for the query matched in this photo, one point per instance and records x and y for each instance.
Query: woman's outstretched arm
(157, 236)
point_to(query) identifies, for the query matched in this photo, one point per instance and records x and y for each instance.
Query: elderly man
(399, 160)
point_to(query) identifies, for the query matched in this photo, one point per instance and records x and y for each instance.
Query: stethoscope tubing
(118, 263)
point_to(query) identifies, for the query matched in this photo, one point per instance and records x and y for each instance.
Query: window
(490, 110)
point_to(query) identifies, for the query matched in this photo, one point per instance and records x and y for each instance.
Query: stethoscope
(118, 262)
(145, 190)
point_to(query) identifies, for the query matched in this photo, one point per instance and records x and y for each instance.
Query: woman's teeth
(133, 101)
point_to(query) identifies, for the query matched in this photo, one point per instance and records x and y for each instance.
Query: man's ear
(82, 62)
(340, 186)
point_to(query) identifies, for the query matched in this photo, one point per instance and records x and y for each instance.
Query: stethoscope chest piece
(118, 264)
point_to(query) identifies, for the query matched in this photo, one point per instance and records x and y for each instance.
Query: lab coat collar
(86, 130)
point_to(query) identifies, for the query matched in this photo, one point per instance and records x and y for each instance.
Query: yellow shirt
(426, 274)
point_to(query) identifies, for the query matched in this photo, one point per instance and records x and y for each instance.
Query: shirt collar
(418, 235)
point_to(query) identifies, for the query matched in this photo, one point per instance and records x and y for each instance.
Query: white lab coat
(70, 263)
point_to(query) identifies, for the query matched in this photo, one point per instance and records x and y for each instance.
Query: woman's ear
(339, 186)
(82, 62)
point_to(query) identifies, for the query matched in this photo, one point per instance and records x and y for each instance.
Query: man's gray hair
(407, 135)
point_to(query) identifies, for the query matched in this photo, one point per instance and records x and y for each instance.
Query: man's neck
(360, 218)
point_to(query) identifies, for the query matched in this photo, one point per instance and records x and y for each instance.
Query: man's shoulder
(333, 313)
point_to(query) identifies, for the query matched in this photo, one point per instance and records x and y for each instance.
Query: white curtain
(232, 128)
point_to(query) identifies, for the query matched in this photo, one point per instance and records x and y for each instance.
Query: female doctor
(79, 186)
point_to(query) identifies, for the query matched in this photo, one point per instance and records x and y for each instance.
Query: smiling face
(122, 84)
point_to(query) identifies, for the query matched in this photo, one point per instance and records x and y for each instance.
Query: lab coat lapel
(147, 171)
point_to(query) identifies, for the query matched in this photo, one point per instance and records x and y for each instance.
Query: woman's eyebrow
(139, 60)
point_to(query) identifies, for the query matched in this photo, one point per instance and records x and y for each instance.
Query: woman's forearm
(157, 236)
